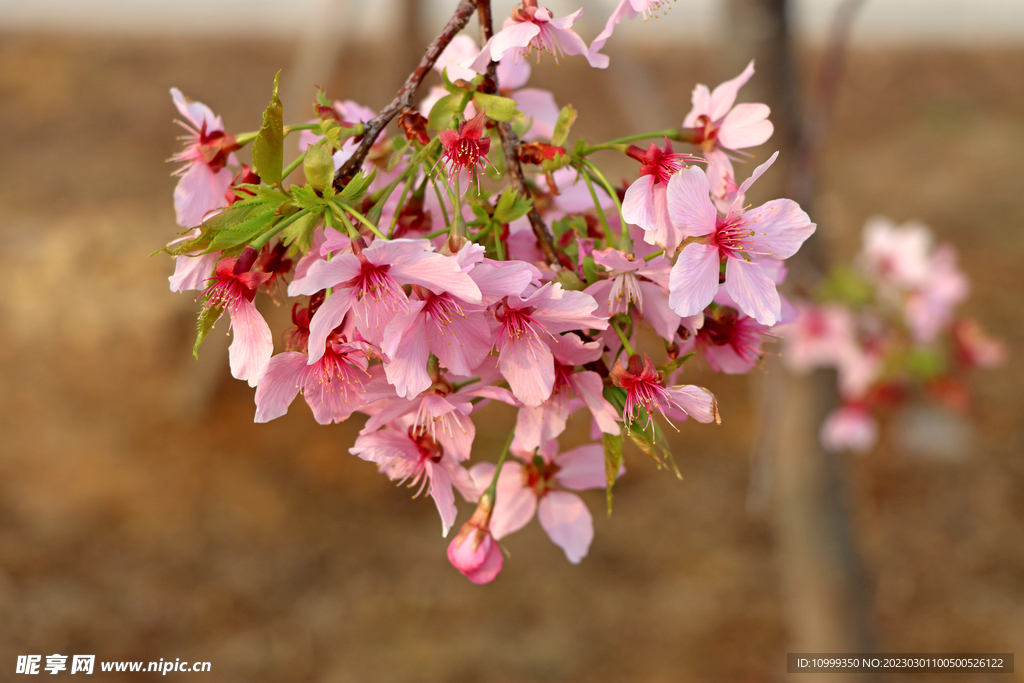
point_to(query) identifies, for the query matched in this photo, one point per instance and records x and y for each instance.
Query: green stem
(680, 135)
(622, 337)
(294, 165)
(301, 126)
(362, 219)
(398, 209)
(261, 241)
(353, 234)
(458, 385)
(651, 257)
(600, 211)
(245, 138)
(625, 243)
(493, 488)
(440, 200)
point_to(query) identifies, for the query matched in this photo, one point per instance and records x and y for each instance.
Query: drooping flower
(742, 239)
(524, 358)
(536, 425)
(644, 284)
(208, 149)
(645, 202)
(722, 129)
(406, 455)
(474, 551)
(370, 285)
(332, 386)
(542, 485)
(730, 341)
(232, 289)
(626, 9)
(466, 150)
(534, 28)
(645, 389)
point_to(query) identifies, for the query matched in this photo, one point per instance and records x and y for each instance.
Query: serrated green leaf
(207, 319)
(668, 368)
(498, 108)
(300, 233)
(512, 206)
(318, 166)
(268, 147)
(321, 98)
(445, 108)
(566, 118)
(357, 187)
(304, 197)
(612, 463)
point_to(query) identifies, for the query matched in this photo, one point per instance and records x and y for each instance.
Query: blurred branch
(510, 145)
(403, 100)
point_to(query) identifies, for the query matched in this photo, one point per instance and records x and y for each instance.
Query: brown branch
(403, 100)
(510, 146)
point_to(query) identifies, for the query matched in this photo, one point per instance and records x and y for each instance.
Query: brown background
(143, 515)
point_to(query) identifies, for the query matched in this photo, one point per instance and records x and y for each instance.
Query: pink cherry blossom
(204, 178)
(534, 28)
(406, 455)
(929, 309)
(895, 257)
(475, 553)
(723, 128)
(850, 427)
(524, 357)
(332, 386)
(466, 150)
(233, 288)
(645, 201)
(975, 347)
(626, 9)
(644, 284)
(536, 425)
(191, 271)
(742, 239)
(731, 341)
(370, 285)
(538, 485)
(645, 389)
(819, 337)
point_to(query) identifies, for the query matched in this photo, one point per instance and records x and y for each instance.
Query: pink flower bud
(475, 553)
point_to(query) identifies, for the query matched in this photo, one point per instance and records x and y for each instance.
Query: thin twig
(510, 146)
(403, 100)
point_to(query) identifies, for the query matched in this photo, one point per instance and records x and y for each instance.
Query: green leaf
(357, 187)
(444, 109)
(590, 270)
(612, 463)
(207, 319)
(512, 206)
(268, 147)
(498, 108)
(318, 166)
(566, 118)
(846, 285)
(300, 233)
(305, 197)
(673, 365)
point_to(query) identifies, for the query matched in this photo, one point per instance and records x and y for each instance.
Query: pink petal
(192, 272)
(582, 468)
(327, 317)
(561, 310)
(753, 290)
(498, 279)
(253, 344)
(516, 35)
(569, 349)
(700, 100)
(196, 112)
(514, 504)
(723, 97)
(724, 359)
(513, 73)
(333, 402)
(568, 523)
(323, 274)
(462, 344)
(529, 368)
(697, 402)
(658, 312)
(279, 385)
(405, 342)
(623, 10)
(540, 106)
(780, 227)
(437, 273)
(457, 438)
(590, 389)
(745, 185)
(441, 492)
(747, 125)
(689, 203)
(385, 446)
(199, 191)
(535, 426)
(638, 204)
(849, 428)
(694, 279)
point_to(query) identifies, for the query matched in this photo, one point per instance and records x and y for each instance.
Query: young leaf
(511, 206)
(305, 197)
(612, 463)
(268, 147)
(565, 120)
(498, 108)
(319, 166)
(300, 233)
(357, 187)
(444, 109)
(205, 324)
(673, 365)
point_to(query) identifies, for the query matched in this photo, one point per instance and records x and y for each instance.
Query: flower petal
(253, 344)
(327, 317)
(723, 97)
(747, 125)
(694, 279)
(780, 227)
(568, 523)
(689, 203)
(279, 385)
(753, 290)
(697, 402)
(638, 204)
(527, 364)
(582, 468)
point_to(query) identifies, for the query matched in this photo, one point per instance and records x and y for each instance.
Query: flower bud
(475, 553)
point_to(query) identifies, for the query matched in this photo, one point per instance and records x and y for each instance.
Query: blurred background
(143, 515)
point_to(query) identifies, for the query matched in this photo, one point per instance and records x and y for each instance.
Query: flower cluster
(431, 274)
(888, 325)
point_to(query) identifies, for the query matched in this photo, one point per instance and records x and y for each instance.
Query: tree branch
(403, 100)
(510, 145)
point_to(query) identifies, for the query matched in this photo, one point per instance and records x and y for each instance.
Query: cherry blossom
(626, 9)
(639, 282)
(466, 150)
(645, 389)
(534, 28)
(645, 202)
(850, 427)
(475, 553)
